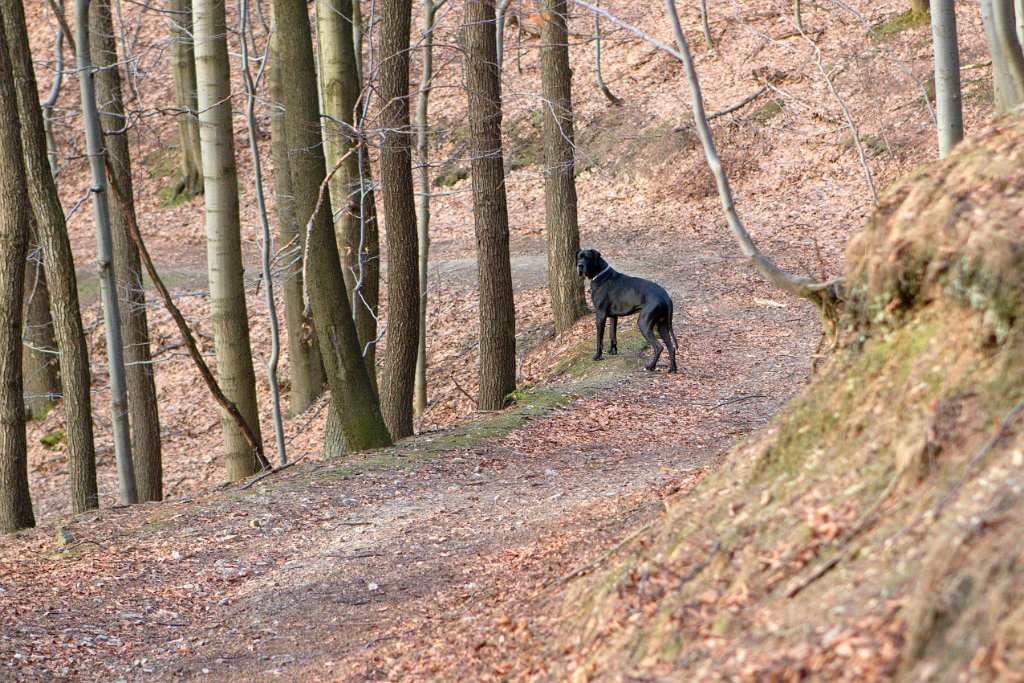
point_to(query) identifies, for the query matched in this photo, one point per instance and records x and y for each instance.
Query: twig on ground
(603, 556)
(737, 399)
(271, 472)
(459, 387)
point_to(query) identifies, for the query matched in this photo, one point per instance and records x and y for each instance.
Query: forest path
(429, 565)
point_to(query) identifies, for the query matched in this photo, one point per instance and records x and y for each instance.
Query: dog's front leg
(600, 334)
(613, 341)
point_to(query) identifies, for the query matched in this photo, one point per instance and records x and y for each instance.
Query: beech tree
(58, 262)
(304, 363)
(142, 400)
(400, 212)
(947, 76)
(40, 359)
(560, 210)
(15, 499)
(352, 395)
(183, 68)
(497, 370)
(998, 17)
(223, 235)
(352, 193)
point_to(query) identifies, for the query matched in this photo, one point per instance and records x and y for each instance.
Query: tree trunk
(305, 364)
(490, 211)
(40, 360)
(565, 285)
(423, 211)
(352, 186)
(59, 265)
(183, 66)
(947, 76)
(15, 499)
(105, 259)
(223, 235)
(142, 400)
(351, 389)
(1007, 60)
(400, 212)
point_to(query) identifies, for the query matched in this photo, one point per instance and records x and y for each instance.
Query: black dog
(614, 294)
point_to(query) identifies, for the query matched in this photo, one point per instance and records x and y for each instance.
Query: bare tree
(430, 8)
(223, 235)
(352, 394)
(58, 262)
(400, 211)
(15, 499)
(105, 254)
(597, 63)
(305, 365)
(183, 66)
(40, 359)
(352, 193)
(947, 76)
(490, 209)
(560, 209)
(143, 412)
(1007, 60)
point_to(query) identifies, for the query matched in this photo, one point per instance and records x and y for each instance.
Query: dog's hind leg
(613, 343)
(665, 330)
(647, 330)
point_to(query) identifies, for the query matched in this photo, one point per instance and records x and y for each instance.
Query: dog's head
(589, 262)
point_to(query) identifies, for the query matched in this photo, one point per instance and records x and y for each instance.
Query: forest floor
(428, 560)
(449, 556)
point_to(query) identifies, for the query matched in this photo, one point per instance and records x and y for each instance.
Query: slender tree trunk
(565, 285)
(15, 499)
(266, 243)
(105, 258)
(40, 360)
(706, 28)
(947, 76)
(500, 11)
(59, 265)
(305, 364)
(1007, 60)
(400, 211)
(223, 235)
(490, 210)
(351, 389)
(352, 185)
(145, 418)
(183, 66)
(430, 8)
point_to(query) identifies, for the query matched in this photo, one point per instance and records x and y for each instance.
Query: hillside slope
(876, 527)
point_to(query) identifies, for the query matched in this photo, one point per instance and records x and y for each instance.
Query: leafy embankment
(876, 527)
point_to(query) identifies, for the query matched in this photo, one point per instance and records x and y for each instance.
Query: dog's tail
(672, 329)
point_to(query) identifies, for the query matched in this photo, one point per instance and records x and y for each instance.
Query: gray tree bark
(183, 67)
(352, 186)
(947, 76)
(998, 17)
(304, 363)
(560, 205)
(40, 360)
(15, 498)
(430, 8)
(362, 426)
(59, 265)
(490, 209)
(397, 196)
(105, 257)
(142, 400)
(223, 235)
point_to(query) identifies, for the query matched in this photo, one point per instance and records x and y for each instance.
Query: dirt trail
(418, 570)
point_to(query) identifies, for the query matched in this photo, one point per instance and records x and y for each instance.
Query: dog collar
(606, 269)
